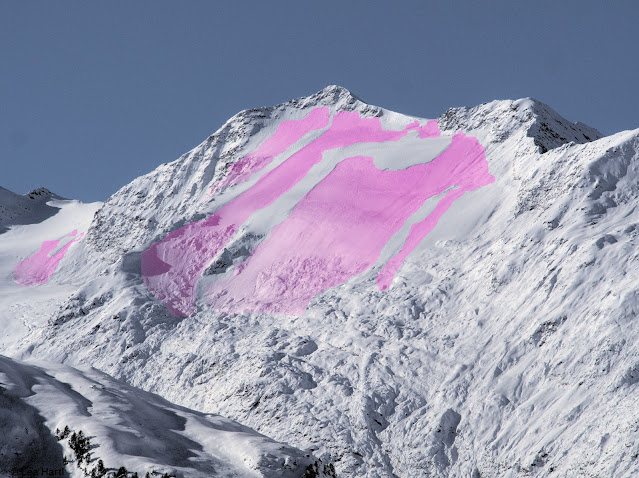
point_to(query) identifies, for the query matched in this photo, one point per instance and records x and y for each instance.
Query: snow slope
(125, 427)
(503, 345)
(32, 221)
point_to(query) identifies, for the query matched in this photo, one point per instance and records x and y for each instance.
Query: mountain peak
(30, 208)
(42, 193)
(338, 98)
(547, 128)
(336, 92)
(551, 130)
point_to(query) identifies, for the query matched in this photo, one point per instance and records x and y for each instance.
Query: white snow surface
(126, 427)
(505, 347)
(26, 310)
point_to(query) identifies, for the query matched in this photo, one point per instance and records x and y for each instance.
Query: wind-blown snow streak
(337, 231)
(462, 166)
(38, 268)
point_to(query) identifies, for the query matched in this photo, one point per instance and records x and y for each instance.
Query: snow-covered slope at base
(505, 346)
(26, 310)
(126, 427)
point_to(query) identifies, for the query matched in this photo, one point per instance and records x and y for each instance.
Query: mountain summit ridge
(545, 126)
(211, 158)
(29, 208)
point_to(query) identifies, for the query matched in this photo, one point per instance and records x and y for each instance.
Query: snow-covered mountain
(30, 208)
(398, 296)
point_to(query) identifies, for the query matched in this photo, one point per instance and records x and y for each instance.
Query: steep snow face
(359, 205)
(504, 343)
(180, 192)
(125, 427)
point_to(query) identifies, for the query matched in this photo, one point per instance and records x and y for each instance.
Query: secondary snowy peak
(30, 208)
(43, 194)
(502, 118)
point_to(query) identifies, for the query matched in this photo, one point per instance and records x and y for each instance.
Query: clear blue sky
(94, 94)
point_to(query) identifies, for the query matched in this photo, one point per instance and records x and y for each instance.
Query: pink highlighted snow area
(287, 134)
(38, 268)
(336, 231)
